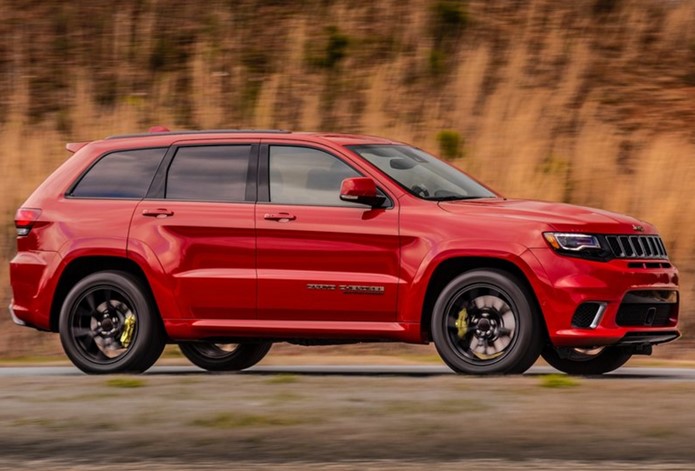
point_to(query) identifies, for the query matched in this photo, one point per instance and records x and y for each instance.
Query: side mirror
(361, 190)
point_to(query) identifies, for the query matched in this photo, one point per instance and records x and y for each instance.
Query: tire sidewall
(525, 336)
(128, 286)
(244, 356)
(610, 359)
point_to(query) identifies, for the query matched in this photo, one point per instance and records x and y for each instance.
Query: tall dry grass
(589, 102)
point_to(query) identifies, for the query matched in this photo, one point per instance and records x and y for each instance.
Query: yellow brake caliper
(462, 323)
(128, 330)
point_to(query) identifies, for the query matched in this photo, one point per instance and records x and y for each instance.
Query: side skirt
(199, 329)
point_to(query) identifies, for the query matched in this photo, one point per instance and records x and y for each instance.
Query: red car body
(258, 269)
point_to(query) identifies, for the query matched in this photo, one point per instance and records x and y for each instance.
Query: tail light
(25, 219)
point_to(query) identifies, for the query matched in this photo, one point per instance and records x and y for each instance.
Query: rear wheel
(485, 322)
(108, 324)
(224, 357)
(580, 361)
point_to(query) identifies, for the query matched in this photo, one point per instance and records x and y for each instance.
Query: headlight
(572, 242)
(577, 245)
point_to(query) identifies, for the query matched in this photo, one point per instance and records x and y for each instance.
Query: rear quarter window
(121, 174)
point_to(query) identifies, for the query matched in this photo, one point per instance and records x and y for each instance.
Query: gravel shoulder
(294, 421)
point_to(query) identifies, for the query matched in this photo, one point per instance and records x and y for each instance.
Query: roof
(196, 132)
(342, 139)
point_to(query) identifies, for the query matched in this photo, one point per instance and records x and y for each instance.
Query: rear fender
(162, 285)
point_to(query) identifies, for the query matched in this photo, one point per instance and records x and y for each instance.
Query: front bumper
(571, 282)
(648, 338)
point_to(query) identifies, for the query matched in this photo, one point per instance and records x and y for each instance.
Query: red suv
(227, 241)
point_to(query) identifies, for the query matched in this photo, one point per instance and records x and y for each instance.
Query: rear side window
(209, 173)
(123, 174)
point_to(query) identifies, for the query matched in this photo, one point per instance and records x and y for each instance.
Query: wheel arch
(450, 268)
(83, 266)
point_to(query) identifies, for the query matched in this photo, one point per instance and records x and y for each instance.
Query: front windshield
(421, 174)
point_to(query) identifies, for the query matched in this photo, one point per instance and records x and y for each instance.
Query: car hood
(558, 216)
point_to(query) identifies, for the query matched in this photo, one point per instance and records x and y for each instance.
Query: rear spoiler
(75, 146)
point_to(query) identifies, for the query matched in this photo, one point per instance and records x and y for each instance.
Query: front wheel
(486, 322)
(224, 357)
(579, 361)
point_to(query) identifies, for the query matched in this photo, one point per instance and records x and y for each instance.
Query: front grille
(648, 309)
(649, 265)
(636, 246)
(643, 315)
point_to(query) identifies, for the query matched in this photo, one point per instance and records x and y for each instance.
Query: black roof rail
(209, 131)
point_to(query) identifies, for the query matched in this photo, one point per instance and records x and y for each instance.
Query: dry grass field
(589, 102)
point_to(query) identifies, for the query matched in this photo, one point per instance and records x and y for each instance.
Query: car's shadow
(412, 371)
(404, 371)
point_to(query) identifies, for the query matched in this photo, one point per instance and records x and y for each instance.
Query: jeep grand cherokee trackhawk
(227, 241)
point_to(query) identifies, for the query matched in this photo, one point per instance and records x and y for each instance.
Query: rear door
(320, 258)
(198, 220)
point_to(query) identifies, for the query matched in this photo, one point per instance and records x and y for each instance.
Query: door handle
(280, 217)
(157, 213)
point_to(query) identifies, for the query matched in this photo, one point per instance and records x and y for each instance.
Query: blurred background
(589, 102)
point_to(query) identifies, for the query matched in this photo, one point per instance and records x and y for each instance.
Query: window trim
(68, 193)
(264, 178)
(158, 187)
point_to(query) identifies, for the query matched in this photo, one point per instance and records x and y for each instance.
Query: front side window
(305, 176)
(209, 173)
(123, 174)
(421, 174)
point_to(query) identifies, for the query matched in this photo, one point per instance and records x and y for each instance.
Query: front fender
(411, 304)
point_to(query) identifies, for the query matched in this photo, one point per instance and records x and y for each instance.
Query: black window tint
(300, 175)
(124, 174)
(209, 173)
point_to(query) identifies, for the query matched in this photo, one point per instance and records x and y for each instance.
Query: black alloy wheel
(213, 356)
(108, 325)
(485, 322)
(584, 361)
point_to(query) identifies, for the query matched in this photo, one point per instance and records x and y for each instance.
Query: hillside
(589, 102)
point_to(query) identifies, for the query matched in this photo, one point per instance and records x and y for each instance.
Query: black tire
(214, 357)
(580, 362)
(513, 329)
(110, 324)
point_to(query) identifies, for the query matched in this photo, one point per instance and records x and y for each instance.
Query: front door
(320, 258)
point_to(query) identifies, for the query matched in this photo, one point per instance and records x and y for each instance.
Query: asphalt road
(344, 417)
(681, 374)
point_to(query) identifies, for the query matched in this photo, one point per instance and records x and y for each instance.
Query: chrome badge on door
(347, 289)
